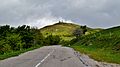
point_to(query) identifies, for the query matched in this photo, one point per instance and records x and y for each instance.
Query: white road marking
(44, 59)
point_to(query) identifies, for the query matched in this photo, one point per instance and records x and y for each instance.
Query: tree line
(23, 37)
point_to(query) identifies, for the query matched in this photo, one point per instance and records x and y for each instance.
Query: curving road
(48, 56)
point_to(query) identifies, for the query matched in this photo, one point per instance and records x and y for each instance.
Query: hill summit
(62, 29)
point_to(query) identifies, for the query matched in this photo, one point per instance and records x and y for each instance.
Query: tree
(22, 37)
(2, 42)
(77, 32)
(37, 35)
(4, 30)
(14, 40)
(80, 31)
(84, 29)
(52, 40)
(26, 35)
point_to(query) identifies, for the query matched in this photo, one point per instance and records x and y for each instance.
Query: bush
(52, 40)
(16, 39)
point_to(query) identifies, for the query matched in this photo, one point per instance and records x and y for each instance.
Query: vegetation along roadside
(102, 46)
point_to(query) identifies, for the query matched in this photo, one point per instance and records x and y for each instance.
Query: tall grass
(99, 54)
(103, 45)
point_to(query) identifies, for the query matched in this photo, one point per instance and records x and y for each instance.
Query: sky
(93, 13)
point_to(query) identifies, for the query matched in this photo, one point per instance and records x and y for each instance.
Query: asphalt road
(50, 56)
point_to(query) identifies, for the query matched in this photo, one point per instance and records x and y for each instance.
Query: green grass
(16, 53)
(64, 30)
(99, 54)
(103, 45)
(68, 38)
(109, 38)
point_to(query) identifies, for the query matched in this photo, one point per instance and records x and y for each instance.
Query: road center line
(44, 58)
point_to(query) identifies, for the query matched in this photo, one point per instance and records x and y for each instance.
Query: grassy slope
(102, 46)
(62, 29)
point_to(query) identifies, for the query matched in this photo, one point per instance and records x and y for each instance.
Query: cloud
(94, 13)
(46, 21)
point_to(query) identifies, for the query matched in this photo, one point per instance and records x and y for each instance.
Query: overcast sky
(93, 13)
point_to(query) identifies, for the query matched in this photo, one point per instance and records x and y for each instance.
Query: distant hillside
(64, 30)
(59, 29)
(108, 38)
(102, 46)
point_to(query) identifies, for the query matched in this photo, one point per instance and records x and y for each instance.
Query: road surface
(48, 56)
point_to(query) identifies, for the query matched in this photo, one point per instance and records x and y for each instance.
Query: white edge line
(44, 59)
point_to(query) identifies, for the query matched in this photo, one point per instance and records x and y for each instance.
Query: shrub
(52, 40)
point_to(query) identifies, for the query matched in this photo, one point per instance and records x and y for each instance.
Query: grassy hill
(59, 29)
(103, 45)
(64, 30)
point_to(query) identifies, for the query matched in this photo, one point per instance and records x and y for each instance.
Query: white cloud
(47, 21)
(94, 13)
